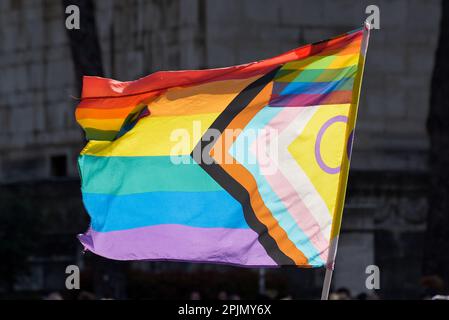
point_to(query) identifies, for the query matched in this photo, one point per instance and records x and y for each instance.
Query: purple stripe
(180, 243)
(305, 100)
(296, 100)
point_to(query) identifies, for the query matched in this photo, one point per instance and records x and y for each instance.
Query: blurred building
(386, 204)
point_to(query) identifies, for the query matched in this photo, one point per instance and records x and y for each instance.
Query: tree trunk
(87, 60)
(84, 42)
(436, 256)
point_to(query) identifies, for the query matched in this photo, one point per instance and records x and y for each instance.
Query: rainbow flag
(245, 165)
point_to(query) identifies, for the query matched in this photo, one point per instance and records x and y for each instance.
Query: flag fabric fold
(244, 165)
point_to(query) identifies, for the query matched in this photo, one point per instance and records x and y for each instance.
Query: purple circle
(319, 137)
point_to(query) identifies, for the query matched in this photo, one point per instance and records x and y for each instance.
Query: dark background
(397, 209)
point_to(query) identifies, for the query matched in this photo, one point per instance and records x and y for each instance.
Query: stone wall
(36, 109)
(139, 37)
(39, 138)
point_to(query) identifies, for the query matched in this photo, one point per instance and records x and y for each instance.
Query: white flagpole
(329, 269)
(327, 284)
(344, 172)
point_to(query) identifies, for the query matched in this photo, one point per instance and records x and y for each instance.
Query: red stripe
(95, 87)
(118, 101)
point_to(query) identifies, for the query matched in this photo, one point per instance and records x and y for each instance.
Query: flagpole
(350, 128)
(329, 269)
(327, 284)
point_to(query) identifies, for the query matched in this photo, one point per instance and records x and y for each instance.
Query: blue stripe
(215, 209)
(285, 88)
(241, 152)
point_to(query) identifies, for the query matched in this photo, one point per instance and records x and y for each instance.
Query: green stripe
(101, 135)
(315, 75)
(129, 175)
(345, 85)
(322, 63)
(337, 74)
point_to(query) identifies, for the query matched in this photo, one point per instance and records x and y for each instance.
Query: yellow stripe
(189, 110)
(156, 136)
(344, 61)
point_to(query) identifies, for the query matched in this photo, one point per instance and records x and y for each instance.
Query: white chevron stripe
(294, 173)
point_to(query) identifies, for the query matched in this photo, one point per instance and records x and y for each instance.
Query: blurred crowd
(433, 288)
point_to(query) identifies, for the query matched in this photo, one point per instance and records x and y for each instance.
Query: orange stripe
(118, 102)
(176, 101)
(87, 113)
(352, 48)
(245, 178)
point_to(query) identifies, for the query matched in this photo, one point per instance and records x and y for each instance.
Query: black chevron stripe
(225, 180)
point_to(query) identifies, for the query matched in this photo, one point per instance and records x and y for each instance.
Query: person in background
(234, 296)
(344, 294)
(341, 294)
(195, 295)
(53, 296)
(85, 295)
(222, 295)
(432, 286)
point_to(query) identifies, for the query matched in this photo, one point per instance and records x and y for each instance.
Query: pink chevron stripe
(282, 186)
